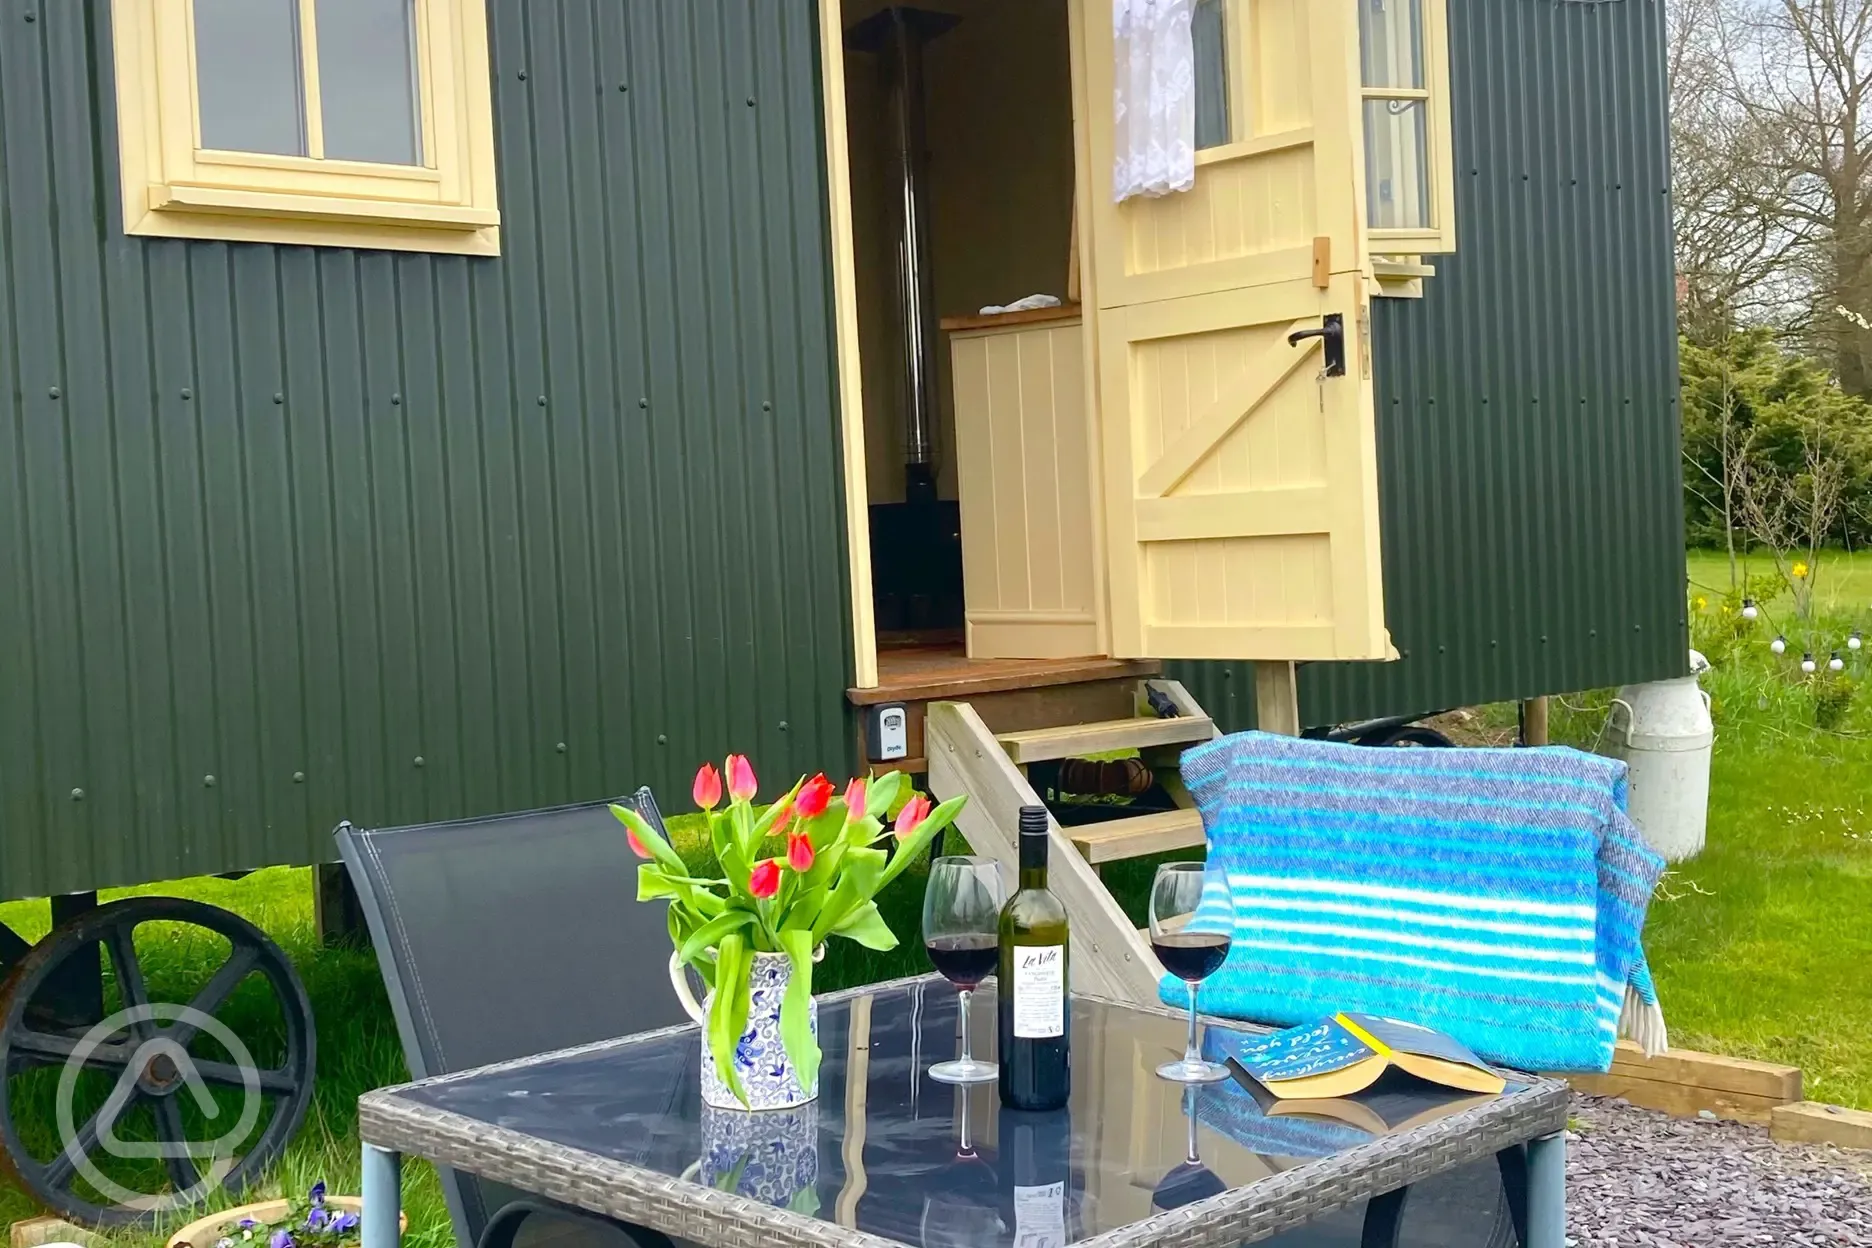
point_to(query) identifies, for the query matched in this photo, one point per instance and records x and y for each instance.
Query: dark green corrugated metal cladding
(293, 535)
(1529, 481)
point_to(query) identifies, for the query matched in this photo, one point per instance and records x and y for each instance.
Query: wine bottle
(1035, 1007)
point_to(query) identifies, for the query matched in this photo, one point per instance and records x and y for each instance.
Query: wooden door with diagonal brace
(1241, 485)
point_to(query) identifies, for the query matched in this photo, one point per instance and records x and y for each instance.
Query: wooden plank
(1079, 740)
(1122, 839)
(1679, 1099)
(1009, 320)
(1322, 262)
(33, 1232)
(1107, 956)
(857, 1081)
(943, 672)
(1810, 1122)
(1241, 513)
(848, 342)
(1534, 722)
(1774, 1080)
(1277, 698)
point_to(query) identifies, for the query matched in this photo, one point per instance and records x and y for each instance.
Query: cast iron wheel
(176, 1067)
(1409, 736)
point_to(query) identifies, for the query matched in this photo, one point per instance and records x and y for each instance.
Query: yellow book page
(1343, 1082)
(1450, 1074)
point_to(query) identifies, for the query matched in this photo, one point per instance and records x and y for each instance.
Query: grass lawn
(1760, 946)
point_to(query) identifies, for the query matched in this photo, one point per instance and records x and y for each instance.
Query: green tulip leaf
(866, 925)
(652, 840)
(795, 1009)
(729, 1010)
(711, 932)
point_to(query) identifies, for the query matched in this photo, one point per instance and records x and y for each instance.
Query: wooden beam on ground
(1277, 698)
(1685, 1083)
(1108, 957)
(1810, 1122)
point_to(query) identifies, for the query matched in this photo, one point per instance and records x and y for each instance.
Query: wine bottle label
(1039, 991)
(1040, 1216)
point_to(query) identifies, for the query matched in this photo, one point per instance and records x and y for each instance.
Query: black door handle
(1332, 329)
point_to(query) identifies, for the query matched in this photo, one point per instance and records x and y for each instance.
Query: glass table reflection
(888, 1153)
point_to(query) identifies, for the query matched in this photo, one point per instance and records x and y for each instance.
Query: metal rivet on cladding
(298, 777)
(396, 400)
(542, 400)
(783, 725)
(77, 795)
(522, 75)
(53, 392)
(419, 760)
(208, 782)
(750, 101)
(560, 747)
(278, 397)
(643, 402)
(766, 407)
(32, 17)
(187, 393)
(623, 86)
(662, 739)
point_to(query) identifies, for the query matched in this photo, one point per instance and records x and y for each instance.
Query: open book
(1347, 1053)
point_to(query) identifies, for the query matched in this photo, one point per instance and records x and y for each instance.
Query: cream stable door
(1240, 475)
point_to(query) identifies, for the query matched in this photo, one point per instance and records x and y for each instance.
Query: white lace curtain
(1155, 100)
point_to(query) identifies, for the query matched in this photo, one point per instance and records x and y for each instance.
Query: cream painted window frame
(175, 188)
(1440, 237)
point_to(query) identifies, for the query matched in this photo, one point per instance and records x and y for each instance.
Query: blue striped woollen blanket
(1496, 895)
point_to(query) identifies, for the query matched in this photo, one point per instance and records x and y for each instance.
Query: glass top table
(888, 1156)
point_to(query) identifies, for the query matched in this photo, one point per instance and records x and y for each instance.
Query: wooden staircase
(1110, 958)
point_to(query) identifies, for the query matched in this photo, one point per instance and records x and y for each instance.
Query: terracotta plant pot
(203, 1232)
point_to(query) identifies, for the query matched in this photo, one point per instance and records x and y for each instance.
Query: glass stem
(967, 1057)
(1190, 1054)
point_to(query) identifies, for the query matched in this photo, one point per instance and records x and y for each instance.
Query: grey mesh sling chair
(507, 936)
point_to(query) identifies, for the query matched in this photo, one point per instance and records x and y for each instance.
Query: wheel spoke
(50, 1047)
(215, 992)
(228, 1075)
(60, 1169)
(169, 1130)
(120, 943)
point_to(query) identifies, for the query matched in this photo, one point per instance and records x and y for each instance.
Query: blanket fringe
(1642, 1022)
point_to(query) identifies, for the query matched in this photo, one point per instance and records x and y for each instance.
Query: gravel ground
(1639, 1179)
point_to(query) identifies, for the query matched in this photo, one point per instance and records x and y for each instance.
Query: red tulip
(855, 800)
(814, 796)
(636, 843)
(707, 790)
(741, 783)
(799, 852)
(915, 811)
(764, 879)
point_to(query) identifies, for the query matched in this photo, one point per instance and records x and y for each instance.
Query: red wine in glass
(1190, 956)
(967, 959)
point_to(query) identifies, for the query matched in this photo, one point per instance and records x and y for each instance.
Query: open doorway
(979, 452)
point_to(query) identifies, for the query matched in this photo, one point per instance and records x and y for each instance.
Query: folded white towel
(1023, 305)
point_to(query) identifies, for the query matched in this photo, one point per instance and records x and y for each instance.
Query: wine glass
(961, 926)
(1189, 931)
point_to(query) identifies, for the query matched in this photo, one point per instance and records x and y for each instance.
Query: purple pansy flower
(343, 1222)
(281, 1238)
(316, 1218)
(318, 1193)
(248, 1224)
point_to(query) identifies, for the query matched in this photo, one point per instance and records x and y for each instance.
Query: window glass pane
(1209, 28)
(1391, 42)
(247, 59)
(367, 81)
(1397, 164)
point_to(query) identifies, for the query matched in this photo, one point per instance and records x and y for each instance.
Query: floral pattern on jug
(760, 1058)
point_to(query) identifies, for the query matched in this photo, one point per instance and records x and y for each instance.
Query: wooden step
(1120, 839)
(1041, 745)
